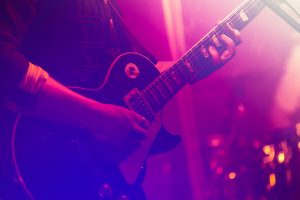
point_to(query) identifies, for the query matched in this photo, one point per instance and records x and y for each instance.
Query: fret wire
(221, 29)
(196, 56)
(219, 43)
(166, 89)
(179, 74)
(205, 42)
(175, 75)
(175, 83)
(254, 13)
(154, 104)
(155, 96)
(199, 59)
(233, 18)
(157, 87)
(158, 96)
(246, 7)
(253, 5)
(177, 86)
(237, 21)
(167, 83)
(185, 71)
(139, 107)
(182, 70)
(148, 97)
(172, 82)
(167, 78)
(204, 60)
(157, 91)
(151, 92)
(181, 63)
(192, 57)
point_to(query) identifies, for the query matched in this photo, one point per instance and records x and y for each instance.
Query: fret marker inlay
(189, 66)
(244, 16)
(204, 51)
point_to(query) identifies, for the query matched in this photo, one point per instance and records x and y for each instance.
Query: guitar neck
(197, 59)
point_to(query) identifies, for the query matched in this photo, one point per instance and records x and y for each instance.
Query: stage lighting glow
(298, 128)
(281, 157)
(232, 175)
(267, 149)
(272, 180)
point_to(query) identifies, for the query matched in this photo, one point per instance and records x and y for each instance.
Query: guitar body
(59, 162)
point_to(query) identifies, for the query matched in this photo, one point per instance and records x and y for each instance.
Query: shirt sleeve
(15, 19)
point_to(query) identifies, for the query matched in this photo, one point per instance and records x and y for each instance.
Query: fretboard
(198, 60)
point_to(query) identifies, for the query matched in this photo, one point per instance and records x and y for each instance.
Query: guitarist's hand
(230, 40)
(116, 126)
(122, 128)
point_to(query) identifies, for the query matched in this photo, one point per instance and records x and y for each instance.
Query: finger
(140, 120)
(235, 33)
(226, 55)
(215, 55)
(144, 123)
(230, 48)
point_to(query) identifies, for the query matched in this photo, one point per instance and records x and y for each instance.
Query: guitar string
(151, 89)
(232, 18)
(206, 40)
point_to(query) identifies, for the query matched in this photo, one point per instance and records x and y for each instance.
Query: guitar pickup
(136, 102)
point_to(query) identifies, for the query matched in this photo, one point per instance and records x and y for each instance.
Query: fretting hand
(220, 59)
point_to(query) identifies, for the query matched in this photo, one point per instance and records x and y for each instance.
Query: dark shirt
(74, 40)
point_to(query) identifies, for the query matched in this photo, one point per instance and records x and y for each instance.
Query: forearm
(57, 103)
(106, 122)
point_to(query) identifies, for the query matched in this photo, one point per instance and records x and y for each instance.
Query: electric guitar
(52, 161)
